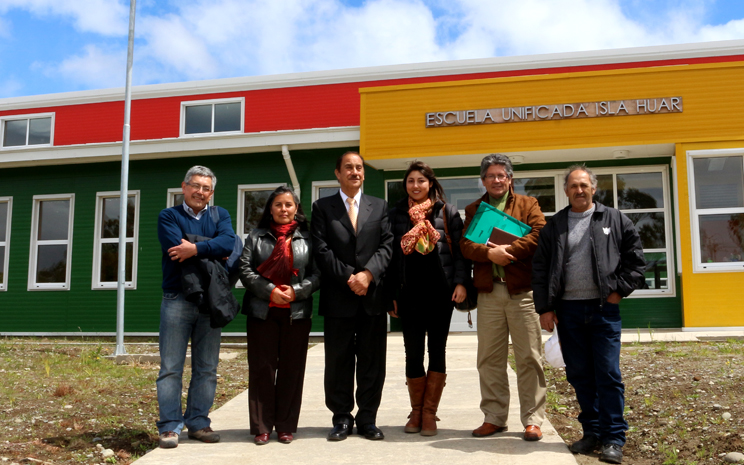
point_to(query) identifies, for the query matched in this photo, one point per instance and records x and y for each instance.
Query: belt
(499, 279)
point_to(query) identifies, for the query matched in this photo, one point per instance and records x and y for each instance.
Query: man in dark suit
(352, 243)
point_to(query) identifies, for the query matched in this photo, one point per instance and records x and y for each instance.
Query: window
(212, 117)
(639, 192)
(175, 197)
(6, 205)
(106, 242)
(27, 130)
(324, 189)
(717, 207)
(251, 203)
(51, 242)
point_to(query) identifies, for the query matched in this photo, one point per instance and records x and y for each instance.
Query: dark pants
(277, 353)
(590, 341)
(353, 343)
(419, 316)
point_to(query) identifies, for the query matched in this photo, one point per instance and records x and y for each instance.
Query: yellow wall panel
(393, 118)
(708, 299)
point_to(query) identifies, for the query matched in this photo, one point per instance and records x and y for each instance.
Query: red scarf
(278, 267)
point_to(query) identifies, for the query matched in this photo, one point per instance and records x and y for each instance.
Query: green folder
(487, 217)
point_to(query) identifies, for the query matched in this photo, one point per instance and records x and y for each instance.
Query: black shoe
(585, 445)
(611, 453)
(339, 432)
(370, 431)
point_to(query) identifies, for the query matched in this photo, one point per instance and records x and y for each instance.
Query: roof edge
(387, 72)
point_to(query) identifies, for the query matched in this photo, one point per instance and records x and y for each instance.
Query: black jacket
(205, 283)
(340, 252)
(454, 266)
(258, 247)
(617, 257)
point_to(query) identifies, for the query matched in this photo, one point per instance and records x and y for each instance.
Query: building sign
(555, 112)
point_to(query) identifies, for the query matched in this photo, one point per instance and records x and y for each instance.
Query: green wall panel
(82, 309)
(661, 312)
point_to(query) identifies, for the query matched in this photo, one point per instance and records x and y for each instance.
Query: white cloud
(94, 68)
(105, 17)
(203, 39)
(10, 87)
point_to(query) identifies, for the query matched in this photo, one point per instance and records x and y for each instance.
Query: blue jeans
(179, 321)
(590, 341)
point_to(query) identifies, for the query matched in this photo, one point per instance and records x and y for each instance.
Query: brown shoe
(416, 388)
(285, 438)
(433, 394)
(532, 433)
(488, 429)
(261, 439)
(205, 435)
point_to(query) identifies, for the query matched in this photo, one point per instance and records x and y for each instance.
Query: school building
(662, 127)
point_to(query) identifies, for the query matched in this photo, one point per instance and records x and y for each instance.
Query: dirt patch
(684, 403)
(63, 403)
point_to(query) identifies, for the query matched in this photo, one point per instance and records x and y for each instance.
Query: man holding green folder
(502, 274)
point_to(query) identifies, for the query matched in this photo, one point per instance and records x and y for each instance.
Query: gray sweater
(579, 274)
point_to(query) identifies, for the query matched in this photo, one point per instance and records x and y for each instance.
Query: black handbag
(471, 300)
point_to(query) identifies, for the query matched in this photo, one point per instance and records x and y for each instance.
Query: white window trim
(32, 284)
(96, 283)
(697, 264)
(3, 119)
(561, 202)
(177, 190)
(6, 243)
(182, 127)
(317, 185)
(242, 189)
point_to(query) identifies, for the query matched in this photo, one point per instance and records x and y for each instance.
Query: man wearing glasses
(502, 274)
(180, 319)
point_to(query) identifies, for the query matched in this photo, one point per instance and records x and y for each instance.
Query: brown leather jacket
(518, 274)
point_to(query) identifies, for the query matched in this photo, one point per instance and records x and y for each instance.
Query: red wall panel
(287, 108)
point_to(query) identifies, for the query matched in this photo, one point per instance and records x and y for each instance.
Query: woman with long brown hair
(427, 273)
(279, 276)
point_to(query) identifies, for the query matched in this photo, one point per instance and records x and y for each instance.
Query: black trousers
(422, 314)
(277, 355)
(355, 344)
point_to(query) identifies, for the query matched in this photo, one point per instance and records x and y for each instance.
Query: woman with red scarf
(277, 271)
(427, 275)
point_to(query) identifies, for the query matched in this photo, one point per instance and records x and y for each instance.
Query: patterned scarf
(278, 267)
(422, 237)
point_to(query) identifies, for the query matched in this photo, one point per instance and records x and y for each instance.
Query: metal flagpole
(123, 199)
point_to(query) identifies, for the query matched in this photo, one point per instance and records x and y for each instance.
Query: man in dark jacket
(181, 319)
(352, 246)
(505, 308)
(588, 258)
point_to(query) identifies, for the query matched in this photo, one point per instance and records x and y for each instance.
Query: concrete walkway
(459, 413)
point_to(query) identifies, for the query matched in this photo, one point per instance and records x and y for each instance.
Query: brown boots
(425, 393)
(434, 387)
(416, 388)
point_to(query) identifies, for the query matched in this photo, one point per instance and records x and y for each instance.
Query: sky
(51, 46)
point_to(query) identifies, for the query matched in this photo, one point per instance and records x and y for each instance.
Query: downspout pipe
(290, 168)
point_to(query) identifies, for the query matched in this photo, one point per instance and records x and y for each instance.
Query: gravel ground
(684, 403)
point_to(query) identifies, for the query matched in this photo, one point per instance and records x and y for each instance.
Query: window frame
(318, 185)
(213, 102)
(697, 264)
(6, 242)
(561, 202)
(27, 117)
(242, 189)
(34, 243)
(173, 191)
(98, 241)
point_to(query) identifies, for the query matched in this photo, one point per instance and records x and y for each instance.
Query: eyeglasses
(499, 178)
(199, 187)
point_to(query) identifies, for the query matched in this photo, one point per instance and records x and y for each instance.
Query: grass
(58, 400)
